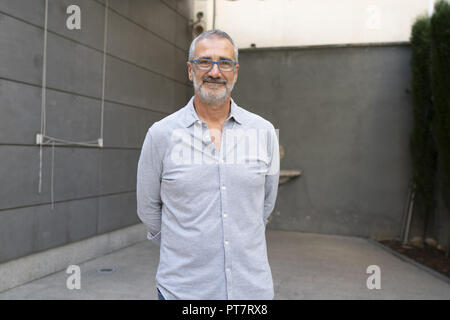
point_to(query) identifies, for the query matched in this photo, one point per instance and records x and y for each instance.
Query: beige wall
(272, 23)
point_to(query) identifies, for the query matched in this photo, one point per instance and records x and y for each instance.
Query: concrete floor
(304, 266)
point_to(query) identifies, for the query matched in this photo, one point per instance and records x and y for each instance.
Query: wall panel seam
(85, 96)
(68, 200)
(98, 50)
(145, 28)
(174, 9)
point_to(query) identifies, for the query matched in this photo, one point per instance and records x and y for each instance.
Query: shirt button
(228, 269)
(226, 242)
(225, 215)
(223, 187)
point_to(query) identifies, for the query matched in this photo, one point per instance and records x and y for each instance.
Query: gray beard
(212, 97)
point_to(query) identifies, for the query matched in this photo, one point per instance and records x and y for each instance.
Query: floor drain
(106, 270)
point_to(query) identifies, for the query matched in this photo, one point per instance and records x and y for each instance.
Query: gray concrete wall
(344, 118)
(146, 79)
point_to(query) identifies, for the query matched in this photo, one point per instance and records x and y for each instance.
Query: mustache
(214, 80)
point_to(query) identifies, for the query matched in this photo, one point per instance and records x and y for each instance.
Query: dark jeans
(160, 296)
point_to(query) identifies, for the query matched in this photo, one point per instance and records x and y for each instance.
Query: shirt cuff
(155, 238)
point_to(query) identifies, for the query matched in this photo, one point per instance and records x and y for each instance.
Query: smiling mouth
(211, 82)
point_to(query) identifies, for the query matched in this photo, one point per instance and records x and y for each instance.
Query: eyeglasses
(208, 64)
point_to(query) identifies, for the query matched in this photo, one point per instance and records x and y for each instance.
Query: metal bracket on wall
(286, 175)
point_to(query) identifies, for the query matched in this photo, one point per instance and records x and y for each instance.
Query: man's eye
(204, 62)
(226, 64)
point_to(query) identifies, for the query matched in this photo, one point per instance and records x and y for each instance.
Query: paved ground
(304, 266)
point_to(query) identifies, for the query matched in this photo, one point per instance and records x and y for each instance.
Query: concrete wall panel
(19, 172)
(129, 84)
(30, 229)
(149, 51)
(126, 127)
(117, 211)
(31, 11)
(73, 67)
(183, 35)
(20, 109)
(146, 79)
(17, 233)
(139, 12)
(21, 54)
(75, 174)
(72, 117)
(344, 119)
(119, 168)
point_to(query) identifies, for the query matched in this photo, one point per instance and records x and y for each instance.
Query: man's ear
(189, 71)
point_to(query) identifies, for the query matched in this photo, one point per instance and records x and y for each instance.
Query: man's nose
(214, 70)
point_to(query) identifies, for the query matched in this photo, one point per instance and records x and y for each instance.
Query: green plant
(440, 67)
(422, 143)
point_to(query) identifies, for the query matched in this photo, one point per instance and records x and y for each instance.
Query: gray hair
(210, 34)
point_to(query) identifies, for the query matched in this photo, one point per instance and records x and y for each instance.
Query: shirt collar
(191, 115)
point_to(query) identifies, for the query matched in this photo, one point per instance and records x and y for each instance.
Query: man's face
(213, 87)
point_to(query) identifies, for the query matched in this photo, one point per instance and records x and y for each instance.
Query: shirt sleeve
(148, 186)
(272, 177)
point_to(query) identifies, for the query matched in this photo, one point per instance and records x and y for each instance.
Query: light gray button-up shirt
(208, 209)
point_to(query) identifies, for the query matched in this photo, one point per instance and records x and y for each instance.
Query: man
(207, 182)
